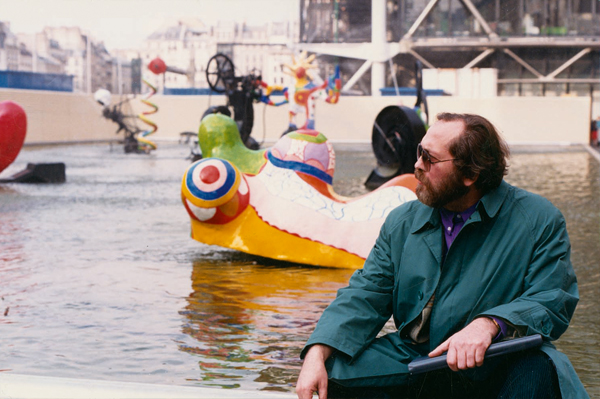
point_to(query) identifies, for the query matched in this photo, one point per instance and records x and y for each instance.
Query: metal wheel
(220, 73)
(396, 133)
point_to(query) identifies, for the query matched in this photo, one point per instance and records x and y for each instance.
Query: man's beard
(449, 190)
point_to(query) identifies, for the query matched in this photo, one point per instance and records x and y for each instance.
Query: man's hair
(480, 152)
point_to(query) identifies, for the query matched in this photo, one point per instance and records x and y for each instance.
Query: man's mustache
(420, 175)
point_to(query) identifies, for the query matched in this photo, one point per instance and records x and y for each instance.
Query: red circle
(300, 73)
(209, 174)
(157, 66)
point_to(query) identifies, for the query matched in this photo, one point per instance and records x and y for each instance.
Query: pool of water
(100, 279)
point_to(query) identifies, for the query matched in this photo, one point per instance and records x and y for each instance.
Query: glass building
(539, 47)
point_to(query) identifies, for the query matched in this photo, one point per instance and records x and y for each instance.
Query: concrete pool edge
(32, 387)
(593, 151)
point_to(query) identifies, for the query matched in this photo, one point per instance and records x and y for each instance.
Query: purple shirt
(453, 222)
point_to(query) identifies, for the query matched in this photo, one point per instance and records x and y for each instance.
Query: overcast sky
(125, 23)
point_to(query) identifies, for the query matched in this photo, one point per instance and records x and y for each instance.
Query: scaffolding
(539, 47)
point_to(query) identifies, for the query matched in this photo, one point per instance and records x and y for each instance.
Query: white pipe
(568, 63)
(420, 18)
(361, 71)
(379, 42)
(377, 78)
(477, 59)
(479, 18)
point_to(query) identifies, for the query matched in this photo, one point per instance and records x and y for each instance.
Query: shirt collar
(448, 216)
(490, 203)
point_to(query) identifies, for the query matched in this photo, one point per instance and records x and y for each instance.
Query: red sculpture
(13, 126)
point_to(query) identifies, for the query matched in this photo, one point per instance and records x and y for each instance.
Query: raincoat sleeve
(549, 293)
(358, 313)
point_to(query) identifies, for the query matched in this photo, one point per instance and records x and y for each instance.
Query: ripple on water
(102, 281)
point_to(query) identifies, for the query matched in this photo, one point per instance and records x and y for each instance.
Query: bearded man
(474, 261)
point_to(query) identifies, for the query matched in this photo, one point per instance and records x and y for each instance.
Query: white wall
(468, 83)
(57, 117)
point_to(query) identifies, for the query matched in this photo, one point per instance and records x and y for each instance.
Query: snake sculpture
(279, 202)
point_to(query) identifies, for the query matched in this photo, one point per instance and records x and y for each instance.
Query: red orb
(209, 174)
(300, 73)
(157, 66)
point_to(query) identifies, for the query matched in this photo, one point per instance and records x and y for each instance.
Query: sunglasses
(428, 160)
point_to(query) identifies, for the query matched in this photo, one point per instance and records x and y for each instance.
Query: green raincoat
(510, 260)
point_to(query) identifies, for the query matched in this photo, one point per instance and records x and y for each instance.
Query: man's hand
(467, 347)
(313, 376)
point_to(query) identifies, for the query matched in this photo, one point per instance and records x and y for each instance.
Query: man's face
(442, 184)
(445, 192)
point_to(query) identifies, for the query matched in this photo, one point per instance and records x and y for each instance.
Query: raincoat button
(420, 295)
(546, 329)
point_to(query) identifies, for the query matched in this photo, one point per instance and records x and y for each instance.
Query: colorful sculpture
(279, 203)
(144, 143)
(303, 94)
(306, 89)
(136, 140)
(13, 127)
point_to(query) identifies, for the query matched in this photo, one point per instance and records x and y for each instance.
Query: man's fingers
(471, 359)
(440, 349)
(308, 393)
(322, 392)
(451, 359)
(320, 388)
(479, 355)
(461, 359)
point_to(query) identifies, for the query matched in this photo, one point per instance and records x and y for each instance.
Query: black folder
(425, 364)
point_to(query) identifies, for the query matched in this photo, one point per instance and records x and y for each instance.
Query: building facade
(65, 51)
(186, 46)
(10, 50)
(538, 47)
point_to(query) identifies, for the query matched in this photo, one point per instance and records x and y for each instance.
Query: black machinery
(397, 131)
(121, 114)
(125, 123)
(39, 173)
(241, 91)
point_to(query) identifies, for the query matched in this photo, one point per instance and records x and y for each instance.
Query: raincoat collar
(492, 201)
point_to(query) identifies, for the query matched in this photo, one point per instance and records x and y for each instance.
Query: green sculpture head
(219, 137)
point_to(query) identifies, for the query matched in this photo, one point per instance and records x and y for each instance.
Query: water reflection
(102, 280)
(571, 180)
(249, 318)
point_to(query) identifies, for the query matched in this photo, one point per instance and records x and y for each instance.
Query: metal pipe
(523, 63)
(361, 71)
(569, 63)
(378, 41)
(420, 58)
(479, 18)
(480, 57)
(421, 18)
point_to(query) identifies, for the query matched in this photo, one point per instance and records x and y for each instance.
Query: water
(100, 279)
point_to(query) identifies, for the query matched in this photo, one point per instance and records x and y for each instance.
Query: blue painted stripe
(300, 167)
(212, 195)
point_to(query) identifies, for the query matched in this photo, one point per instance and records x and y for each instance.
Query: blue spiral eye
(210, 182)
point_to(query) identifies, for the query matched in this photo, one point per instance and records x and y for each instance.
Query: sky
(126, 23)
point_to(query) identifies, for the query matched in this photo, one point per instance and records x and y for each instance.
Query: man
(473, 261)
